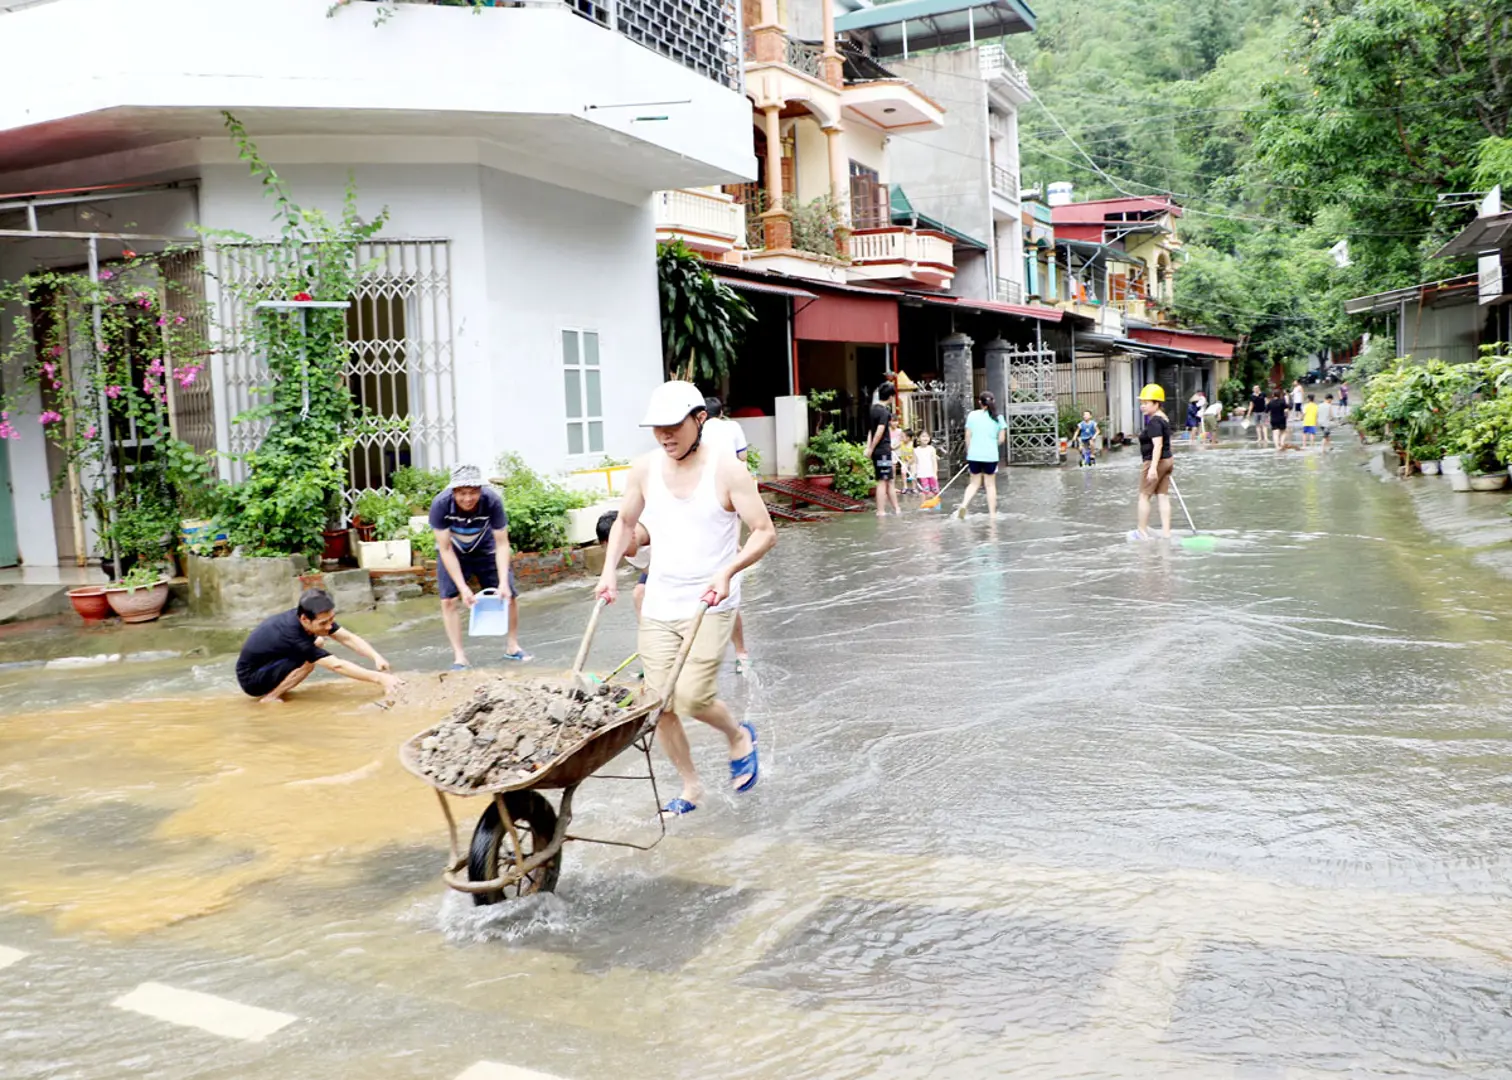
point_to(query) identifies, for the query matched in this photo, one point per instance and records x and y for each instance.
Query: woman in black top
(1277, 409)
(1155, 460)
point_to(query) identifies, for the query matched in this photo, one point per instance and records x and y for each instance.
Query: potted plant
(140, 596)
(834, 461)
(90, 602)
(1482, 433)
(387, 516)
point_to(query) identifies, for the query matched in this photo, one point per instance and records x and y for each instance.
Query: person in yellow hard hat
(1155, 460)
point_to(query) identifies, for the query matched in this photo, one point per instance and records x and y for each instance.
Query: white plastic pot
(1488, 482)
(1451, 464)
(1459, 480)
(383, 554)
(1430, 468)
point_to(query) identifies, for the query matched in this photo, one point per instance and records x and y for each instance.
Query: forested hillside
(1284, 127)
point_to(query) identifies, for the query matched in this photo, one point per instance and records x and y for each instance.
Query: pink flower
(57, 385)
(112, 392)
(162, 320)
(156, 367)
(104, 346)
(149, 385)
(55, 351)
(178, 320)
(91, 432)
(51, 369)
(106, 275)
(49, 417)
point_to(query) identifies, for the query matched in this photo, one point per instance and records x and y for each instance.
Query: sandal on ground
(520, 655)
(677, 808)
(460, 667)
(742, 665)
(749, 766)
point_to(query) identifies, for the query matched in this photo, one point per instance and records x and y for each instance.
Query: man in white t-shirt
(720, 431)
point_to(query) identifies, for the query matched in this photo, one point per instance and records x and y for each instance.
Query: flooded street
(1034, 801)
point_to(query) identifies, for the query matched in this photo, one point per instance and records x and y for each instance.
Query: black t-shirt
(280, 637)
(1277, 409)
(1257, 403)
(1155, 427)
(881, 417)
(472, 531)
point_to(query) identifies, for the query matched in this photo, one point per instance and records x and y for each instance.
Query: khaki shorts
(698, 685)
(1161, 485)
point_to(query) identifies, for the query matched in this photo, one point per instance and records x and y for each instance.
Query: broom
(934, 500)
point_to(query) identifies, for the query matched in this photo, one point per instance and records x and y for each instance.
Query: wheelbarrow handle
(587, 643)
(705, 602)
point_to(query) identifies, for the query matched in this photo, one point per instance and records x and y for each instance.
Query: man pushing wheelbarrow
(693, 501)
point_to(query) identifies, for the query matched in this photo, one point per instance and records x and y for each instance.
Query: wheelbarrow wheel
(535, 821)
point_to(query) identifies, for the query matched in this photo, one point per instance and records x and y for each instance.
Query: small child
(637, 555)
(1086, 437)
(1309, 421)
(907, 459)
(926, 465)
(1326, 419)
(1193, 419)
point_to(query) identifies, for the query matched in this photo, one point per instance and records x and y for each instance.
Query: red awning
(1187, 340)
(861, 319)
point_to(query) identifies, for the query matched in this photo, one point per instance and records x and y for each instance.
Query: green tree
(702, 318)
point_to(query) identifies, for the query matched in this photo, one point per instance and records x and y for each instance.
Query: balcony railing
(700, 37)
(801, 56)
(900, 245)
(995, 62)
(1004, 182)
(702, 213)
(1010, 292)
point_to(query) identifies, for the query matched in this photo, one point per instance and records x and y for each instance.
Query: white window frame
(585, 421)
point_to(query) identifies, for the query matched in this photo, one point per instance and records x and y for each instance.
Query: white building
(516, 150)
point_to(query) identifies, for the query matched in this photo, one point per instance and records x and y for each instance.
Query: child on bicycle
(1086, 438)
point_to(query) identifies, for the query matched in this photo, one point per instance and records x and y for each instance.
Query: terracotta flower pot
(821, 480)
(90, 602)
(139, 605)
(338, 544)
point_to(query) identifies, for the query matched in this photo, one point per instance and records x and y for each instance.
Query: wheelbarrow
(516, 846)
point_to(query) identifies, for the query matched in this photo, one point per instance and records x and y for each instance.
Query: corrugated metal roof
(934, 24)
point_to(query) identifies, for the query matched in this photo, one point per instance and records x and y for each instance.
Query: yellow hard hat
(1152, 392)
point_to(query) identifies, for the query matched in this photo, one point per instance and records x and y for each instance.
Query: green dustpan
(1199, 542)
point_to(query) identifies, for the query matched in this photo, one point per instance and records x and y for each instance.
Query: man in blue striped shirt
(472, 541)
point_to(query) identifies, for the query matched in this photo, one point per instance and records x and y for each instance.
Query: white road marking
(492, 1070)
(10, 956)
(207, 1012)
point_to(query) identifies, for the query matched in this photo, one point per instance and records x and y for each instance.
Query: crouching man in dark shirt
(283, 651)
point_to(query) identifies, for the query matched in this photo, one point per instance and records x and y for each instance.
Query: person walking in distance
(1154, 460)
(986, 432)
(1296, 399)
(879, 449)
(1278, 410)
(693, 502)
(1309, 421)
(1258, 415)
(1326, 419)
(472, 542)
(1086, 438)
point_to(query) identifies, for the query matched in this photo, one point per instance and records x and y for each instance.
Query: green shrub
(418, 487)
(537, 506)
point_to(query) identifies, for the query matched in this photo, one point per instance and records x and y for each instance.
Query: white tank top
(694, 538)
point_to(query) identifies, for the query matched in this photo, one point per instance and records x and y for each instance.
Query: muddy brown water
(1034, 801)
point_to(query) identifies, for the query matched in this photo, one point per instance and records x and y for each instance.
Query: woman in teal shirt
(986, 432)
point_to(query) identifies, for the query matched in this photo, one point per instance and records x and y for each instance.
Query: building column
(839, 189)
(769, 37)
(777, 222)
(834, 65)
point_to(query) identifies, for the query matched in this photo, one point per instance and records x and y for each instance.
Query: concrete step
(26, 601)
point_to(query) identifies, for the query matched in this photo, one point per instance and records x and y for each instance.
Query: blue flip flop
(750, 765)
(460, 667)
(519, 654)
(678, 807)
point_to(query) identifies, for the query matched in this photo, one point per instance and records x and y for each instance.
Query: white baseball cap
(671, 403)
(466, 476)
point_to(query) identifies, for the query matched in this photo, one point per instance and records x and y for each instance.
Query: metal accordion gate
(1030, 411)
(401, 364)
